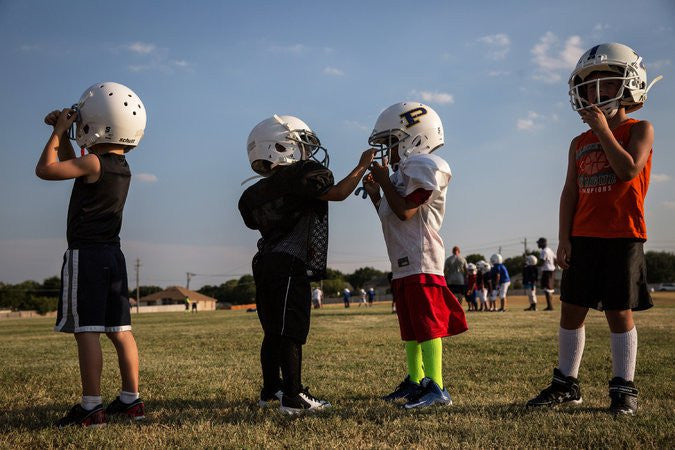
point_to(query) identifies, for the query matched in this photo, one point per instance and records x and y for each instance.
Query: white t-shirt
(415, 245)
(547, 258)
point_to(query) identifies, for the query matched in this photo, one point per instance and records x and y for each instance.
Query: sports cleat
(80, 416)
(404, 390)
(562, 390)
(134, 410)
(266, 398)
(301, 403)
(624, 397)
(531, 308)
(430, 394)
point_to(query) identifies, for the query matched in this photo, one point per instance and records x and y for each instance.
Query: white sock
(128, 397)
(624, 354)
(90, 402)
(570, 349)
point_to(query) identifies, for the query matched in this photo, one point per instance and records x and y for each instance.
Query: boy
(481, 283)
(289, 207)
(530, 276)
(110, 121)
(602, 225)
(548, 263)
(471, 277)
(500, 281)
(411, 212)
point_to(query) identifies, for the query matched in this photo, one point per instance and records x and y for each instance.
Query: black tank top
(95, 209)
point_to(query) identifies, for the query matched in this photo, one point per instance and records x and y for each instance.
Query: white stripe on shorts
(65, 292)
(283, 319)
(76, 260)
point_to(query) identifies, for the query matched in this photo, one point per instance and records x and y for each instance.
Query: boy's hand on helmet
(595, 119)
(66, 118)
(380, 172)
(51, 118)
(366, 158)
(370, 185)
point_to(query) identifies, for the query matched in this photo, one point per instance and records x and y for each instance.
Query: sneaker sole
(555, 405)
(294, 411)
(421, 405)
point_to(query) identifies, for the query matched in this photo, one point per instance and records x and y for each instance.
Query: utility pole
(189, 277)
(138, 289)
(524, 246)
(500, 250)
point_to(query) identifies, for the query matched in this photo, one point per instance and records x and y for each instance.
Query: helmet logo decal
(411, 117)
(591, 55)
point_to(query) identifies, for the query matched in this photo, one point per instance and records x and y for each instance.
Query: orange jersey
(608, 207)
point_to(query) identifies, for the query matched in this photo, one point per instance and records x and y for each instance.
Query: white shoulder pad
(429, 172)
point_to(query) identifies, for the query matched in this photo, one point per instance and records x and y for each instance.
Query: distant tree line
(43, 297)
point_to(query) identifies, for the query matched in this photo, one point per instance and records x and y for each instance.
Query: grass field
(200, 381)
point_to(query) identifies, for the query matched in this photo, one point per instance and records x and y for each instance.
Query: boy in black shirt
(110, 120)
(289, 207)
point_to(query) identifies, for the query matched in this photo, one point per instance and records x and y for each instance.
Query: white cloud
(357, 125)
(528, 123)
(599, 27)
(551, 57)
(669, 204)
(499, 45)
(142, 48)
(659, 64)
(499, 73)
(180, 63)
(435, 97)
(660, 177)
(145, 177)
(333, 71)
(294, 48)
(29, 47)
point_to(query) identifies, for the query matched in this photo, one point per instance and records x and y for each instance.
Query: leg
(270, 361)
(571, 338)
(291, 365)
(623, 343)
(127, 356)
(413, 352)
(91, 362)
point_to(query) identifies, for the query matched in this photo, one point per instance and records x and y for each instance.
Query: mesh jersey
(291, 219)
(608, 207)
(530, 275)
(415, 245)
(95, 209)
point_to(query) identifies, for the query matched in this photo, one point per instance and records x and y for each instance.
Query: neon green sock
(432, 355)
(413, 353)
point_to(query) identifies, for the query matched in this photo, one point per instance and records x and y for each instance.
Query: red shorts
(426, 308)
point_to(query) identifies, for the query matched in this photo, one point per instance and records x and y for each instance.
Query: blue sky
(496, 72)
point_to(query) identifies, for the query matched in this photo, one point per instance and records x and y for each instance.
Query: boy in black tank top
(109, 120)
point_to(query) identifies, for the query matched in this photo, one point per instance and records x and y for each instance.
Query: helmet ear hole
(417, 141)
(280, 148)
(85, 129)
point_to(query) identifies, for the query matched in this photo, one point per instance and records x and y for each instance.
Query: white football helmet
(483, 266)
(413, 126)
(471, 268)
(531, 260)
(620, 60)
(280, 141)
(108, 113)
(496, 259)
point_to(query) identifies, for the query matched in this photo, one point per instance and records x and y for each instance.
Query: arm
(65, 150)
(402, 207)
(626, 163)
(373, 190)
(568, 204)
(50, 168)
(346, 186)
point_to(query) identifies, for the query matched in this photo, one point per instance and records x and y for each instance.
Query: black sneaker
(80, 416)
(267, 398)
(134, 410)
(303, 402)
(562, 390)
(405, 390)
(624, 396)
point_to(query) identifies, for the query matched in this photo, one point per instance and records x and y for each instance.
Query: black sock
(270, 360)
(291, 366)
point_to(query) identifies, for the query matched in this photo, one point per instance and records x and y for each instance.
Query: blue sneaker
(430, 394)
(405, 390)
